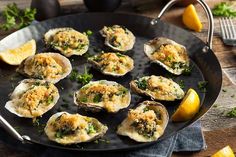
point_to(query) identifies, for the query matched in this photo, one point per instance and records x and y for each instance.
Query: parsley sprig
(81, 78)
(16, 18)
(224, 9)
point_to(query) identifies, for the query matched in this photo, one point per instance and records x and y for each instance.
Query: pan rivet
(205, 49)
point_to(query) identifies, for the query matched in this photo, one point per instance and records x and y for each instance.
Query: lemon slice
(17, 55)
(188, 107)
(191, 19)
(224, 152)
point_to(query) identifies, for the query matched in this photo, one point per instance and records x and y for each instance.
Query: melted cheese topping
(118, 36)
(69, 40)
(162, 88)
(43, 66)
(170, 54)
(106, 96)
(114, 63)
(36, 100)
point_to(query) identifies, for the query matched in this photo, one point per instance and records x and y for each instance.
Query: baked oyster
(118, 38)
(32, 98)
(102, 95)
(114, 64)
(51, 67)
(67, 40)
(157, 87)
(146, 123)
(168, 54)
(66, 129)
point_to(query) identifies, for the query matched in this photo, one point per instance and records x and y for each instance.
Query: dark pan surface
(205, 67)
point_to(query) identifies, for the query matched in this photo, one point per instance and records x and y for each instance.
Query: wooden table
(219, 131)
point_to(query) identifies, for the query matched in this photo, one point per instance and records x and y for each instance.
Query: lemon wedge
(188, 107)
(224, 152)
(191, 19)
(17, 55)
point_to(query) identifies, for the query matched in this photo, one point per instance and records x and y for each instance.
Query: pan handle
(209, 16)
(13, 131)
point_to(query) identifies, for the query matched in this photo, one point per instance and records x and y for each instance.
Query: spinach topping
(143, 128)
(50, 100)
(91, 129)
(97, 98)
(142, 84)
(60, 133)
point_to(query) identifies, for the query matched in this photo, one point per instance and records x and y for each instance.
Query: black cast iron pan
(204, 62)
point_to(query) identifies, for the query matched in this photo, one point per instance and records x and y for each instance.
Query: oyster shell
(51, 67)
(67, 40)
(168, 54)
(157, 87)
(103, 94)
(118, 38)
(66, 129)
(32, 98)
(146, 123)
(114, 64)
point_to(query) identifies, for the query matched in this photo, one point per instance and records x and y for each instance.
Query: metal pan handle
(209, 16)
(13, 131)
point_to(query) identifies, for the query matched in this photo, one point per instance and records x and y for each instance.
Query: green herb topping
(224, 9)
(16, 18)
(202, 86)
(232, 113)
(142, 84)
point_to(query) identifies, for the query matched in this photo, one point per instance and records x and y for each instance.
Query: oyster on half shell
(118, 38)
(157, 87)
(32, 98)
(146, 123)
(114, 64)
(66, 129)
(102, 95)
(67, 40)
(51, 67)
(168, 54)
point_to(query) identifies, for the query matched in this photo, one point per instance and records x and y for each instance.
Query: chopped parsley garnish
(60, 133)
(89, 33)
(83, 99)
(187, 70)
(97, 98)
(181, 84)
(122, 91)
(81, 78)
(178, 65)
(119, 55)
(224, 9)
(142, 84)
(202, 86)
(91, 129)
(232, 113)
(73, 75)
(50, 100)
(145, 109)
(85, 77)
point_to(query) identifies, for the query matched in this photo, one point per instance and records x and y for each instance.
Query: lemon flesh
(188, 108)
(191, 19)
(17, 55)
(224, 152)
